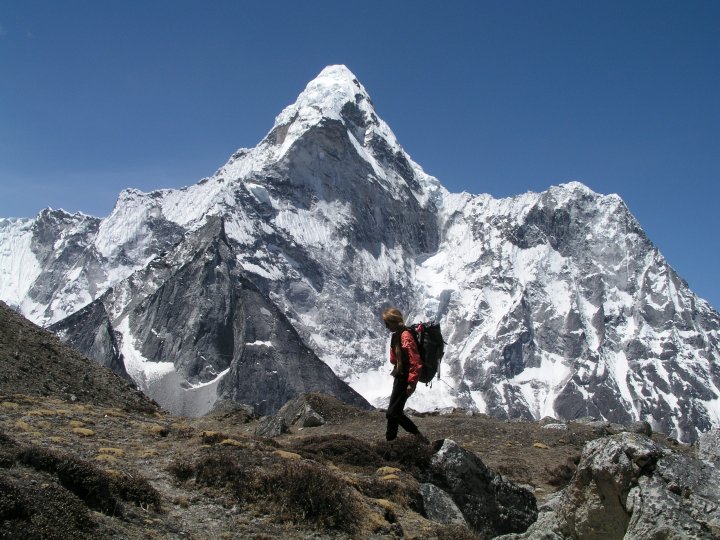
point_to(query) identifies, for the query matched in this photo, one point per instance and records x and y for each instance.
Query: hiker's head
(393, 319)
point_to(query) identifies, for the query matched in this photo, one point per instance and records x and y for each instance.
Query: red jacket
(410, 357)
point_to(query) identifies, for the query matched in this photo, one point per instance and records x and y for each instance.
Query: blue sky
(490, 97)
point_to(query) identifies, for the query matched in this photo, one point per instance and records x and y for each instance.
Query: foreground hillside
(35, 362)
(83, 454)
(119, 473)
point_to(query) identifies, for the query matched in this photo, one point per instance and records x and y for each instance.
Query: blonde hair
(393, 315)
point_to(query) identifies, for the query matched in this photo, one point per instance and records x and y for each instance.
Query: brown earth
(34, 361)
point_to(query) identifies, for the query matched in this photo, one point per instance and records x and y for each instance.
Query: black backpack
(431, 346)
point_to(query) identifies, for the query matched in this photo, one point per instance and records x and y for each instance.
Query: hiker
(405, 357)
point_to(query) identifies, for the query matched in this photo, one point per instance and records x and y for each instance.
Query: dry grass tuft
(306, 491)
(117, 452)
(157, 430)
(100, 490)
(230, 442)
(23, 426)
(9, 405)
(213, 437)
(456, 532)
(339, 449)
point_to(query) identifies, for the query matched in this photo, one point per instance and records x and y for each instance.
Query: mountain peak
(336, 97)
(325, 96)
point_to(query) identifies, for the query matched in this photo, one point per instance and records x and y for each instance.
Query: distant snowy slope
(553, 303)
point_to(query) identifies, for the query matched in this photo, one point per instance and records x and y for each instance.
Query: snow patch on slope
(19, 267)
(161, 382)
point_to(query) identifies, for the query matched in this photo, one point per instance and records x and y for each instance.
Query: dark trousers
(395, 415)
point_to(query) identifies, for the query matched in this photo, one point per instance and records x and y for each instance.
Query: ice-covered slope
(561, 306)
(554, 303)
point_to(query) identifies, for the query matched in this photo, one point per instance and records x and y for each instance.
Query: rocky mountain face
(553, 304)
(234, 344)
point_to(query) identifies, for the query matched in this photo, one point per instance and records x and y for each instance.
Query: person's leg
(407, 424)
(394, 412)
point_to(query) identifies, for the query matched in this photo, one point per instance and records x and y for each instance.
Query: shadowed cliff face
(90, 331)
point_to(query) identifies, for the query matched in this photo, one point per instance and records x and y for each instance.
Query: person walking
(407, 364)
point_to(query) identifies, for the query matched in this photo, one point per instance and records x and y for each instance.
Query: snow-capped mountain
(553, 304)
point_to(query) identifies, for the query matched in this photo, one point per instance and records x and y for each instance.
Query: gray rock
(599, 427)
(271, 426)
(227, 409)
(627, 486)
(490, 504)
(560, 427)
(585, 420)
(642, 427)
(439, 506)
(310, 418)
(299, 412)
(709, 446)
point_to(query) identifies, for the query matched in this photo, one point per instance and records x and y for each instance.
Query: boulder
(559, 427)
(439, 506)
(232, 410)
(642, 427)
(490, 504)
(271, 426)
(300, 412)
(310, 418)
(627, 486)
(709, 446)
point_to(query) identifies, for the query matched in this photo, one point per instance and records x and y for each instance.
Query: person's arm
(408, 343)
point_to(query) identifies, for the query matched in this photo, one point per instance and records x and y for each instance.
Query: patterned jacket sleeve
(407, 342)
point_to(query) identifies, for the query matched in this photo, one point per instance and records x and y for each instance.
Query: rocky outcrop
(271, 426)
(490, 504)
(628, 487)
(708, 448)
(299, 412)
(439, 506)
